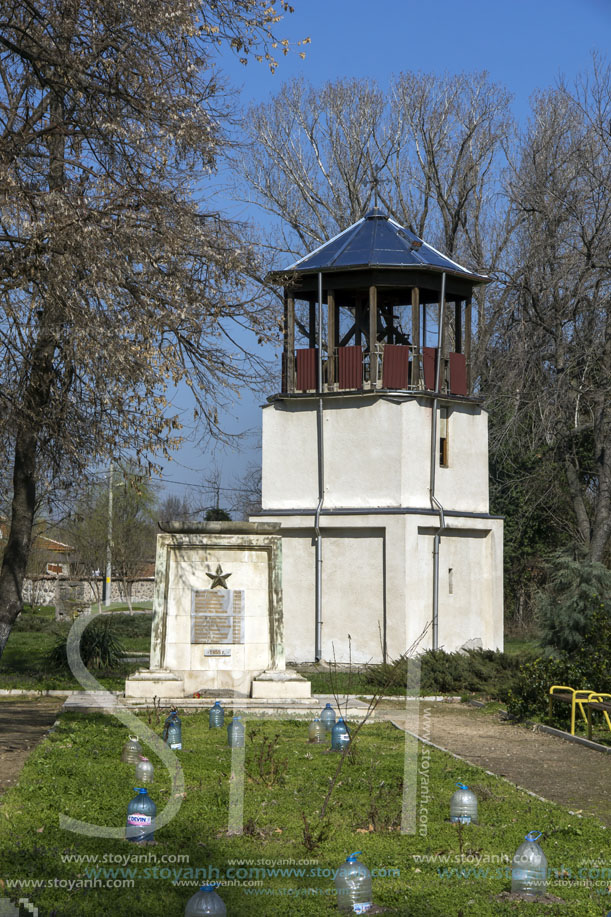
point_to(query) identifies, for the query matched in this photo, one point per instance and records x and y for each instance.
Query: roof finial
(376, 181)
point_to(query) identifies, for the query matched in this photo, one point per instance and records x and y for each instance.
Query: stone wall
(45, 590)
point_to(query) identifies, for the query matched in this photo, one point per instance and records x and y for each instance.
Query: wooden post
(289, 341)
(416, 337)
(467, 344)
(331, 338)
(457, 327)
(312, 327)
(373, 336)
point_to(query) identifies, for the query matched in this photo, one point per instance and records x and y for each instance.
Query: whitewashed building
(375, 454)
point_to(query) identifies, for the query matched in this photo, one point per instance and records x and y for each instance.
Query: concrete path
(546, 765)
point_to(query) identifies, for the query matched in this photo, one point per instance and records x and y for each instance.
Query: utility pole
(108, 581)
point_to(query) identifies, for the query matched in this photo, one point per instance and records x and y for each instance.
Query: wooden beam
(373, 336)
(331, 336)
(348, 335)
(289, 342)
(416, 337)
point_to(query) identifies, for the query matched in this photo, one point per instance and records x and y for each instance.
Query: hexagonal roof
(376, 240)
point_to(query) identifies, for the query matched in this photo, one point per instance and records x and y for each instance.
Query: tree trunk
(15, 560)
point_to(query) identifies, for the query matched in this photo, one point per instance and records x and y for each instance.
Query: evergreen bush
(100, 647)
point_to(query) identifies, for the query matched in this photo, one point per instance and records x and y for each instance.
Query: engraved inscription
(217, 616)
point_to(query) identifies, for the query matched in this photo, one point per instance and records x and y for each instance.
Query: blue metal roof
(376, 240)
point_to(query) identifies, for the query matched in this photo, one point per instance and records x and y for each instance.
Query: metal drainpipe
(435, 504)
(321, 486)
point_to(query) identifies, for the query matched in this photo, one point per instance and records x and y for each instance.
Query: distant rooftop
(376, 240)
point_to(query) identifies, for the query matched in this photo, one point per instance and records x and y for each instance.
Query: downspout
(435, 504)
(321, 485)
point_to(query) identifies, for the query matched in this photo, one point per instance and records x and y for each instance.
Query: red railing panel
(458, 374)
(429, 361)
(306, 360)
(395, 371)
(350, 367)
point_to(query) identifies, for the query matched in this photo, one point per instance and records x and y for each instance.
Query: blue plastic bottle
(328, 717)
(141, 811)
(340, 737)
(353, 885)
(216, 717)
(235, 733)
(172, 731)
(205, 901)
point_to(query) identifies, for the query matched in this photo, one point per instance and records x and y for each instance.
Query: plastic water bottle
(216, 716)
(529, 867)
(340, 737)
(463, 805)
(172, 731)
(205, 901)
(131, 751)
(353, 885)
(144, 770)
(235, 733)
(317, 731)
(327, 717)
(141, 811)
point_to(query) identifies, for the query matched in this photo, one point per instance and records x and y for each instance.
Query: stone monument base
(280, 684)
(154, 683)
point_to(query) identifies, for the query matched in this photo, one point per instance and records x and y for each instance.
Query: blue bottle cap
(352, 857)
(330, 707)
(207, 888)
(140, 789)
(463, 786)
(532, 836)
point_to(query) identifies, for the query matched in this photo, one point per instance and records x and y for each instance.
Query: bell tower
(375, 453)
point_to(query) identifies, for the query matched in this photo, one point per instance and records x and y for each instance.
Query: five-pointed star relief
(218, 578)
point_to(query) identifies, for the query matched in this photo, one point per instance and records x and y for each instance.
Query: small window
(443, 437)
(450, 581)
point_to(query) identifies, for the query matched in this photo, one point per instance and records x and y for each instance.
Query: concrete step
(107, 702)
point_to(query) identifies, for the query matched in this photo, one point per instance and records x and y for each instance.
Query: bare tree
(432, 151)
(133, 533)
(113, 283)
(551, 377)
(175, 508)
(247, 493)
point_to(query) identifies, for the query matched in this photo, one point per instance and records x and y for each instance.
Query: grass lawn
(77, 771)
(24, 665)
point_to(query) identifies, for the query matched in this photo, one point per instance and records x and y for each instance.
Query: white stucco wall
(376, 453)
(370, 561)
(377, 457)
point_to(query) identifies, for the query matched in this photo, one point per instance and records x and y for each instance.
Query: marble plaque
(217, 616)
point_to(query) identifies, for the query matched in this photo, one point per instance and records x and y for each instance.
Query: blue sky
(523, 45)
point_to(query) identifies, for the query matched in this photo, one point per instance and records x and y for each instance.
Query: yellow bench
(584, 699)
(597, 702)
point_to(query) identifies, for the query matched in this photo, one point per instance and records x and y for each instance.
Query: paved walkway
(548, 766)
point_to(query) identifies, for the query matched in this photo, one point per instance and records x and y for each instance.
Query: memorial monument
(217, 615)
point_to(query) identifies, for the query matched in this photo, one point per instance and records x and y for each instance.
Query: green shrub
(100, 647)
(575, 607)
(132, 625)
(588, 667)
(473, 671)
